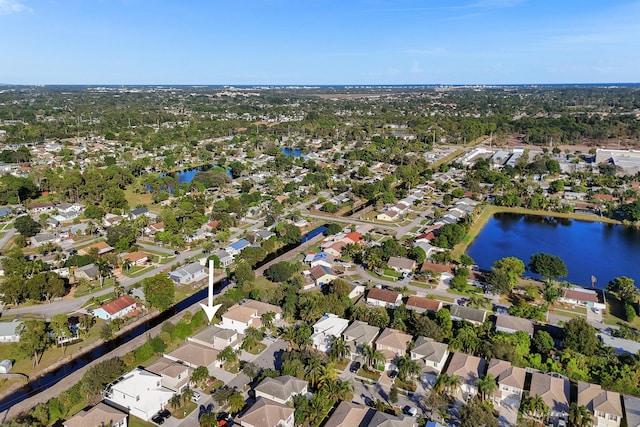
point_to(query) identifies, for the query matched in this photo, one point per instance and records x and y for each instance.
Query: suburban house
(583, 297)
(512, 324)
(401, 265)
(99, 415)
(510, 381)
(422, 304)
(116, 309)
(188, 273)
(384, 298)
(194, 354)
(175, 375)
(154, 228)
(469, 314)
(359, 334)
(350, 414)
(218, 338)
(326, 327)
(322, 275)
(10, 331)
(632, 410)
(470, 369)
(210, 226)
(265, 234)
(281, 389)
(139, 212)
(86, 272)
(392, 343)
(382, 419)
(101, 247)
(554, 390)
(239, 318)
(140, 392)
(266, 413)
(388, 215)
(42, 238)
(135, 258)
(226, 259)
(264, 308)
(336, 248)
(605, 406)
(431, 356)
(236, 247)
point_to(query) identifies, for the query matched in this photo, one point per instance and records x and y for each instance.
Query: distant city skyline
(320, 42)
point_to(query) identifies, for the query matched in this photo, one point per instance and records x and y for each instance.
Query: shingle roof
(383, 295)
(427, 348)
(401, 263)
(505, 373)
(394, 338)
(118, 304)
(596, 399)
(468, 313)
(553, 390)
(468, 368)
(514, 323)
(350, 414)
(415, 301)
(361, 332)
(100, 415)
(265, 413)
(283, 387)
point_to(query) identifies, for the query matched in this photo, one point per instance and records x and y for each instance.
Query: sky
(319, 42)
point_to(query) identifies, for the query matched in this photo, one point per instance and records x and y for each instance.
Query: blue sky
(319, 41)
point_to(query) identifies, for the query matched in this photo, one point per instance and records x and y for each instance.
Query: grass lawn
(392, 273)
(257, 349)
(341, 365)
(615, 314)
(415, 229)
(137, 422)
(368, 374)
(422, 285)
(214, 386)
(136, 199)
(181, 412)
(6, 226)
(137, 271)
(260, 282)
(405, 385)
(374, 274)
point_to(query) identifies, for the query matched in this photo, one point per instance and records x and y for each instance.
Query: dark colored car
(393, 374)
(355, 367)
(157, 419)
(165, 413)
(223, 416)
(176, 252)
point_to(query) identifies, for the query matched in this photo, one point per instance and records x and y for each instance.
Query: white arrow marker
(210, 309)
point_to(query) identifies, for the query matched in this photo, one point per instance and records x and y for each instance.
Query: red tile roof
(383, 295)
(580, 296)
(425, 303)
(118, 304)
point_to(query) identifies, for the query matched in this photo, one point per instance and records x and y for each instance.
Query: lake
(587, 248)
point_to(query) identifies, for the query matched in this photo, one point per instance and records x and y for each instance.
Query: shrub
(629, 312)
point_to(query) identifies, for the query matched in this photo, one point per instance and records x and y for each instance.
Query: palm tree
(339, 349)
(328, 374)
(187, 394)
(126, 264)
(536, 408)
(579, 416)
(175, 401)
(446, 383)
(289, 335)
(86, 322)
(267, 319)
(337, 390)
(407, 367)
(252, 337)
(372, 357)
(228, 355)
(315, 371)
(486, 386)
(441, 383)
(236, 402)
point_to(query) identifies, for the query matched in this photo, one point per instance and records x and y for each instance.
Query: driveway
(509, 411)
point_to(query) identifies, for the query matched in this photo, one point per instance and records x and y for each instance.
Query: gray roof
(9, 328)
(283, 387)
(514, 323)
(429, 349)
(188, 270)
(401, 263)
(361, 332)
(43, 237)
(632, 410)
(90, 270)
(381, 419)
(468, 313)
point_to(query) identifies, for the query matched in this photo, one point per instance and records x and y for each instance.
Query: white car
(196, 396)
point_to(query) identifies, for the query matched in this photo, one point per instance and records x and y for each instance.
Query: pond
(588, 248)
(291, 152)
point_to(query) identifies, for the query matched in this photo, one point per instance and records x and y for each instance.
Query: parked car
(223, 416)
(393, 374)
(196, 396)
(176, 252)
(355, 367)
(158, 419)
(165, 413)
(412, 411)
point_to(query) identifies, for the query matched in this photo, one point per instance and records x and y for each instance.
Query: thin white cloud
(416, 68)
(8, 7)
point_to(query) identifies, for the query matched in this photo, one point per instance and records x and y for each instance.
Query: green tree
(407, 367)
(244, 273)
(579, 416)
(393, 394)
(581, 337)
(159, 291)
(228, 356)
(26, 226)
(200, 376)
(486, 386)
(477, 414)
(339, 348)
(550, 267)
(536, 408)
(626, 289)
(543, 342)
(34, 339)
(251, 338)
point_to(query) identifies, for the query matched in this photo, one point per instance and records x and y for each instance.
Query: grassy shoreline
(490, 210)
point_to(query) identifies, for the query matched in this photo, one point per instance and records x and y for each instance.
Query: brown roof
(118, 304)
(241, 313)
(265, 413)
(596, 399)
(437, 268)
(580, 296)
(383, 295)
(514, 323)
(394, 338)
(350, 414)
(262, 307)
(134, 256)
(98, 416)
(425, 303)
(195, 354)
(553, 390)
(505, 373)
(468, 368)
